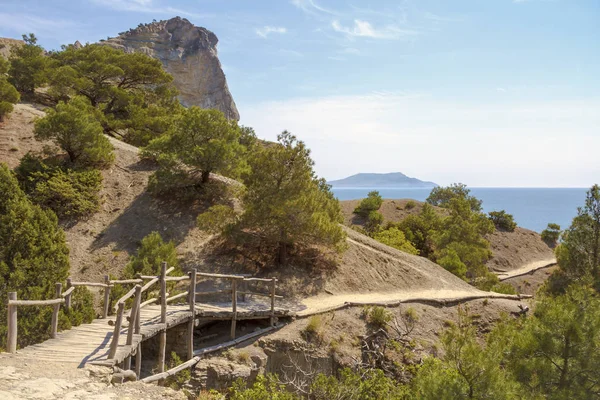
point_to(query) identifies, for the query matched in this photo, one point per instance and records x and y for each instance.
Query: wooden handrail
(35, 302)
(261, 294)
(213, 292)
(219, 276)
(125, 297)
(68, 291)
(126, 281)
(177, 278)
(148, 302)
(157, 276)
(259, 279)
(177, 296)
(91, 284)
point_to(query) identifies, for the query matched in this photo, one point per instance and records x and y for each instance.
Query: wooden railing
(237, 282)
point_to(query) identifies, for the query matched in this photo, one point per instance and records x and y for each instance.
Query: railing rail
(142, 283)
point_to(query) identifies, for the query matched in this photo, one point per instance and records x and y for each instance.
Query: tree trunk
(564, 373)
(205, 176)
(282, 253)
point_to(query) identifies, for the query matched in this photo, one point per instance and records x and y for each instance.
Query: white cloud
(365, 29)
(266, 30)
(311, 7)
(147, 6)
(493, 144)
(501, 90)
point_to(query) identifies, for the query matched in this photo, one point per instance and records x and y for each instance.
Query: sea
(532, 208)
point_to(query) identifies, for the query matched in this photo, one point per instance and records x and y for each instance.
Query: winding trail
(527, 269)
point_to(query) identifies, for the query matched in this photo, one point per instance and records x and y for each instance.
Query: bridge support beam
(192, 301)
(163, 317)
(11, 342)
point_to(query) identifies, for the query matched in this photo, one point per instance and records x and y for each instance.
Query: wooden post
(133, 316)
(114, 344)
(138, 360)
(106, 295)
(192, 301)
(54, 326)
(163, 317)
(244, 289)
(233, 306)
(273, 281)
(11, 340)
(68, 297)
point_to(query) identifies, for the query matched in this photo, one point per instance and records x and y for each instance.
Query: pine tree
(28, 65)
(132, 91)
(201, 142)
(75, 129)
(286, 205)
(33, 257)
(579, 253)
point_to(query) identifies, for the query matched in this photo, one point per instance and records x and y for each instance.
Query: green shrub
(216, 219)
(374, 221)
(379, 317)
(177, 381)
(150, 255)
(503, 220)
(371, 203)
(69, 193)
(395, 238)
(551, 234)
(8, 94)
(410, 205)
(505, 288)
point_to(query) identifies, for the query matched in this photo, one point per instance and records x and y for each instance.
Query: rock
(189, 53)
(220, 374)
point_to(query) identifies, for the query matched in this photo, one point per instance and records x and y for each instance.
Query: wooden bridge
(117, 339)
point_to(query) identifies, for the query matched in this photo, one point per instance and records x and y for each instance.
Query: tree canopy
(28, 65)
(33, 257)
(8, 94)
(578, 254)
(200, 142)
(286, 203)
(75, 129)
(131, 90)
(441, 196)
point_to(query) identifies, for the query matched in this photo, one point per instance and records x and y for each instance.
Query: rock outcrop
(189, 53)
(7, 44)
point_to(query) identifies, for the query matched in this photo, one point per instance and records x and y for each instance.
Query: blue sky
(485, 92)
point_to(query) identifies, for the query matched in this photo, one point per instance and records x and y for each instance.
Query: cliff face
(189, 53)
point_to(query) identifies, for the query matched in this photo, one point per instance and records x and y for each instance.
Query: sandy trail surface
(527, 268)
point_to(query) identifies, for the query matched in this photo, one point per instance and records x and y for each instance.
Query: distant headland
(389, 180)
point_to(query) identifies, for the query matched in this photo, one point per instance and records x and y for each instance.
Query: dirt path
(527, 268)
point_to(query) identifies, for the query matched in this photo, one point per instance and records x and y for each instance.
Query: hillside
(103, 243)
(391, 180)
(6, 44)
(511, 250)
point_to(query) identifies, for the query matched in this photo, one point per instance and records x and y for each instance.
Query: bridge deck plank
(91, 342)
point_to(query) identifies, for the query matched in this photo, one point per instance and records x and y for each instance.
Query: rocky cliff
(189, 53)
